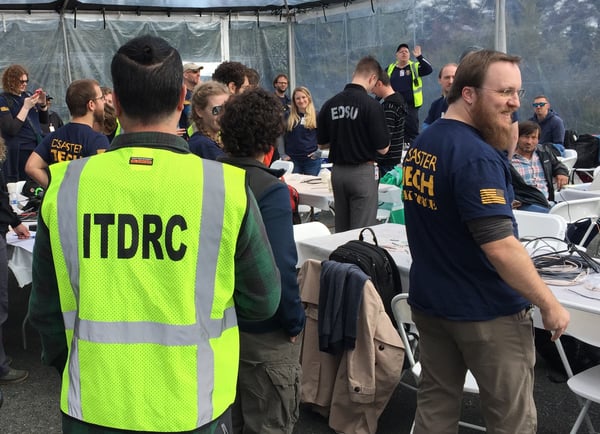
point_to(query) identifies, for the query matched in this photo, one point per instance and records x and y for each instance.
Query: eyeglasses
(217, 109)
(102, 97)
(539, 104)
(282, 82)
(507, 93)
(24, 81)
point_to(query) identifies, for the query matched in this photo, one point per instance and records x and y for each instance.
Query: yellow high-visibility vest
(417, 82)
(145, 271)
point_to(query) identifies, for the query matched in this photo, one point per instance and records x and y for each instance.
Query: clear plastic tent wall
(318, 48)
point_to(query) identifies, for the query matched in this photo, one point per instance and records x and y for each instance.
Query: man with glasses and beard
(472, 284)
(280, 84)
(75, 140)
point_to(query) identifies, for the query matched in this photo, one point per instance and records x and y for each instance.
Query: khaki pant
(501, 355)
(268, 391)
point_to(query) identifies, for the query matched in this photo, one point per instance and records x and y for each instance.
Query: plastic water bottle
(325, 176)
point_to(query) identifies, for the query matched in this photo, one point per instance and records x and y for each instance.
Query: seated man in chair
(533, 171)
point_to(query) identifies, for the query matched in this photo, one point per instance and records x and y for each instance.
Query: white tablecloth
(21, 260)
(390, 236)
(312, 190)
(393, 238)
(315, 192)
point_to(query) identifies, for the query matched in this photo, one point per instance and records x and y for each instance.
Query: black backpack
(34, 193)
(570, 139)
(587, 147)
(376, 262)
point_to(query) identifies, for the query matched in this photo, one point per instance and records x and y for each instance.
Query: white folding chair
(403, 316)
(569, 159)
(575, 210)
(283, 164)
(580, 191)
(533, 225)
(590, 171)
(586, 384)
(304, 231)
(390, 200)
(570, 194)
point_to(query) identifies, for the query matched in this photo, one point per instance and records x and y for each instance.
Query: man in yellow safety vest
(405, 77)
(145, 257)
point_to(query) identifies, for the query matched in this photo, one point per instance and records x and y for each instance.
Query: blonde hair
(310, 117)
(200, 97)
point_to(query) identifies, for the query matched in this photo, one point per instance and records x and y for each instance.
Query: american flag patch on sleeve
(492, 196)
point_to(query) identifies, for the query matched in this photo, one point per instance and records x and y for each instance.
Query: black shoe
(14, 376)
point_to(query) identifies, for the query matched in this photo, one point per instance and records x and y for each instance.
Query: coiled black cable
(568, 264)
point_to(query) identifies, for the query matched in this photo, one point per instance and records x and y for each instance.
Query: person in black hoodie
(269, 377)
(8, 375)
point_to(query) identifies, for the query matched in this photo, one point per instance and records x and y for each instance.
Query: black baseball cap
(402, 45)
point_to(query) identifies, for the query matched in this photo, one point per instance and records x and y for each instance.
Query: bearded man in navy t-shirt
(472, 283)
(77, 139)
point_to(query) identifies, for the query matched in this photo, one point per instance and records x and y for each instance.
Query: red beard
(494, 131)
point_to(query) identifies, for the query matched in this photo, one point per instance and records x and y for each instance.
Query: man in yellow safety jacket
(405, 78)
(145, 257)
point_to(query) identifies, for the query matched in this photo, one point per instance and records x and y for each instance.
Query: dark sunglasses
(539, 104)
(217, 109)
(24, 81)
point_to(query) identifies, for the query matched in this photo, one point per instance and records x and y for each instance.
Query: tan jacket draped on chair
(354, 387)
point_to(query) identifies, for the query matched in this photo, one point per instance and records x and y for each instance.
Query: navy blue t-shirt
(436, 111)
(71, 142)
(301, 141)
(451, 176)
(204, 147)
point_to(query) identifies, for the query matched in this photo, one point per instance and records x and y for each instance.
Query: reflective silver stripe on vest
(213, 206)
(67, 221)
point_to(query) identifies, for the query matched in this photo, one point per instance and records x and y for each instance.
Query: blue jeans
(307, 166)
